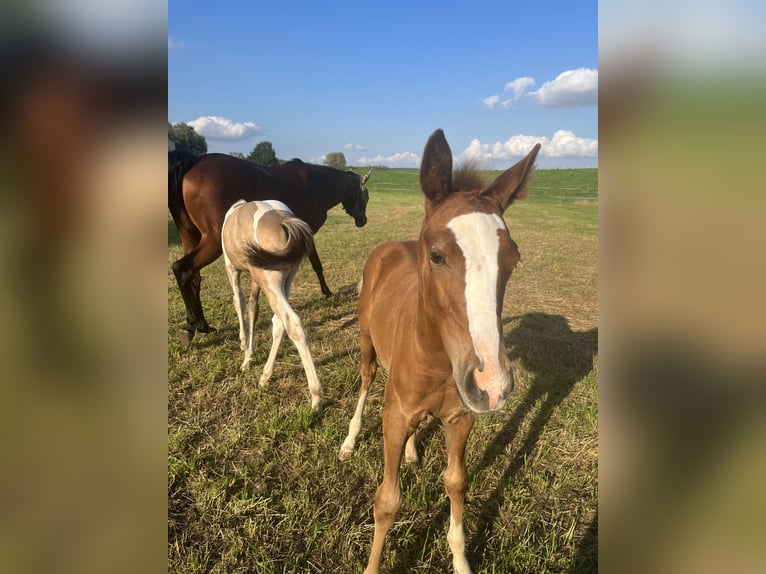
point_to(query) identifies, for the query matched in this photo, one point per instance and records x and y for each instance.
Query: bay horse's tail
(179, 162)
(299, 244)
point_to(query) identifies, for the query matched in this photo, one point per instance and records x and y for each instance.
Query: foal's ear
(512, 183)
(436, 168)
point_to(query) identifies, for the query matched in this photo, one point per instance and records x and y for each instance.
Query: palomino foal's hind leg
(252, 317)
(456, 481)
(239, 300)
(367, 370)
(277, 332)
(277, 291)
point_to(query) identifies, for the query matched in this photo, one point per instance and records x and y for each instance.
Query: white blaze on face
(476, 235)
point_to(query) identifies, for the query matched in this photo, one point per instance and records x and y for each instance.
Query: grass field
(254, 484)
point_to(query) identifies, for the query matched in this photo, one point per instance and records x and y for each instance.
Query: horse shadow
(556, 358)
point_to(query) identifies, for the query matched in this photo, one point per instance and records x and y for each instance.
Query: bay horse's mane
(323, 170)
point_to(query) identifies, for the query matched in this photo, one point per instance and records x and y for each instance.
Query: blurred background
(83, 271)
(682, 391)
(83, 266)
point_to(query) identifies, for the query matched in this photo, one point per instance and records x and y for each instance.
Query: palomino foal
(266, 239)
(429, 310)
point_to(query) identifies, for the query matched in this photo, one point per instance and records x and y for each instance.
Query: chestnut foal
(429, 310)
(266, 239)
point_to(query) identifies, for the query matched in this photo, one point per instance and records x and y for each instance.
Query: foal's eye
(437, 257)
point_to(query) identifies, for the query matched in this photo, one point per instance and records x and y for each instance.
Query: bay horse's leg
(252, 317)
(388, 498)
(367, 370)
(190, 238)
(277, 290)
(187, 272)
(316, 264)
(456, 481)
(188, 281)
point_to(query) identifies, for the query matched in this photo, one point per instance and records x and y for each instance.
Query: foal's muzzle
(360, 220)
(477, 399)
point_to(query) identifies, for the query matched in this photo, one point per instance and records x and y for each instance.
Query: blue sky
(375, 79)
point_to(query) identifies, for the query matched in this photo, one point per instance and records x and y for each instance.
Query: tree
(238, 154)
(187, 139)
(263, 154)
(335, 159)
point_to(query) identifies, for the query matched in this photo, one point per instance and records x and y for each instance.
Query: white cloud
(571, 88)
(216, 127)
(519, 86)
(354, 147)
(174, 44)
(493, 101)
(401, 159)
(563, 144)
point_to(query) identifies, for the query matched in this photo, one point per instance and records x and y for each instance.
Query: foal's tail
(179, 162)
(299, 244)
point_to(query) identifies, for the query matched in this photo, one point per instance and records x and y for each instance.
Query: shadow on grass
(557, 358)
(586, 557)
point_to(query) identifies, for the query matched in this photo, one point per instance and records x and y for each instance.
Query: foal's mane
(468, 176)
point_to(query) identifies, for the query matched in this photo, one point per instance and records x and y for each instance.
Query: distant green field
(562, 184)
(254, 484)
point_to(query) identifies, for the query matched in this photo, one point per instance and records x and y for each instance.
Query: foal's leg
(367, 371)
(252, 317)
(277, 290)
(456, 481)
(410, 452)
(239, 299)
(277, 332)
(388, 498)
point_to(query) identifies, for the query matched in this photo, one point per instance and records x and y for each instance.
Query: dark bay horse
(430, 310)
(202, 188)
(267, 240)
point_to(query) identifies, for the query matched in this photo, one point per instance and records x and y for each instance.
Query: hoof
(206, 329)
(344, 454)
(185, 336)
(410, 452)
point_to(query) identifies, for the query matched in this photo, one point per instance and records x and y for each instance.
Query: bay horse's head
(465, 258)
(356, 198)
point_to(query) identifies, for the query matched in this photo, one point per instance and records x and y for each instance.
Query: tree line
(186, 138)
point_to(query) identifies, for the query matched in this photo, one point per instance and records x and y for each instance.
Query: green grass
(254, 484)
